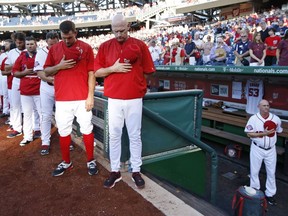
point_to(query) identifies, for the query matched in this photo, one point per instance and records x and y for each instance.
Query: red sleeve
(3, 64)
(90, 59)
(182, 53)
(147, 62)
(100, 59)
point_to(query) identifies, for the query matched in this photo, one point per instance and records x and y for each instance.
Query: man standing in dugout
(124, 62)
(71, 62)
(262, 129)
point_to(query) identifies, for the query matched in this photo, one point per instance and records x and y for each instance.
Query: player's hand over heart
(66, 64)
(121, 67)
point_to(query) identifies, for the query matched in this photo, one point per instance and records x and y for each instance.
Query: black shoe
(112, 180)
(92, 167)
(25, 142)
(71, 147)
(37, 135)
(61, 168)
(3, 115)
(14, 134)
(139, 181)
(271, 200)
(44, 150)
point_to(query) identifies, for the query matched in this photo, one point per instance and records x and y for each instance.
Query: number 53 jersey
(254, 94)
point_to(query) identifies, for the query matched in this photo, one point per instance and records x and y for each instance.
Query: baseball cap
(269, 125)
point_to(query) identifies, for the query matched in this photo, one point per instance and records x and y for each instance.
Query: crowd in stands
(226, 42)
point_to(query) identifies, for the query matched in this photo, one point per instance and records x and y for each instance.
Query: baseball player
(29, 87)
(6, 109)
(124, 62)
(262, 128)
(254, 93)
(46, 92)
(15, 104)
(71, 62)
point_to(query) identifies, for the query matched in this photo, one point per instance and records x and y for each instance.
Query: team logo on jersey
(249, 127)
(36, 64)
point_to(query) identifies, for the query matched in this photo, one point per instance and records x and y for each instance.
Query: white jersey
(2, 78)
(40, 59)
(11, 59)
(155, 52)
(256, 125)
(254, 94)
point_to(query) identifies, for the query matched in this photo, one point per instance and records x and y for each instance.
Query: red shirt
(272, 42)
(30, 84)
(71, 84)
(129, 85)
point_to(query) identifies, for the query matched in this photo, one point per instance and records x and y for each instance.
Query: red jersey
(71, 84)
(129, 85)
(272, 42)
(9, 77)
(29, 84)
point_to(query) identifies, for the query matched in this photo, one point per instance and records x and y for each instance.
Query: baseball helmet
(270, 125)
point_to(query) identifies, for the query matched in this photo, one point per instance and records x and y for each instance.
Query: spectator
(271, 43)
(241, 51)
(264, 30)
(237, 36)
(199, 45)
(257, 50)
(282, 51)
(29, 87)
(262, 129)
(208, 45)
(219, 52)
(125, 86)
(71, 62)
(177, 54)
(189, 48)
(167, 56)
(282, 28)
(155, 52)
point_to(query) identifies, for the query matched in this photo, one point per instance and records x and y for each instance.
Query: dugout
(224, 95)
(171, 132)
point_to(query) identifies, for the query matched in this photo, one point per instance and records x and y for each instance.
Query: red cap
(270, 125)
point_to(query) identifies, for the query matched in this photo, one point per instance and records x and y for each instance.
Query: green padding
(181, 111)
(186, 171)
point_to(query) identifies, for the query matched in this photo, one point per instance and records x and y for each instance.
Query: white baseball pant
(65, 113)
(257, 156)
(130, 112)
(15, 106)
(28, 105)
(47, 103)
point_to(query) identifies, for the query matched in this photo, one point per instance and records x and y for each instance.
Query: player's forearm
(103, 72)
(255, 135)
(6, 73)
(91, 84)
(42, 76)
(19, 74)
(51, 71)
(8, 67)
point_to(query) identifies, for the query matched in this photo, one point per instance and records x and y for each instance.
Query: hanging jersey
(254, 94)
